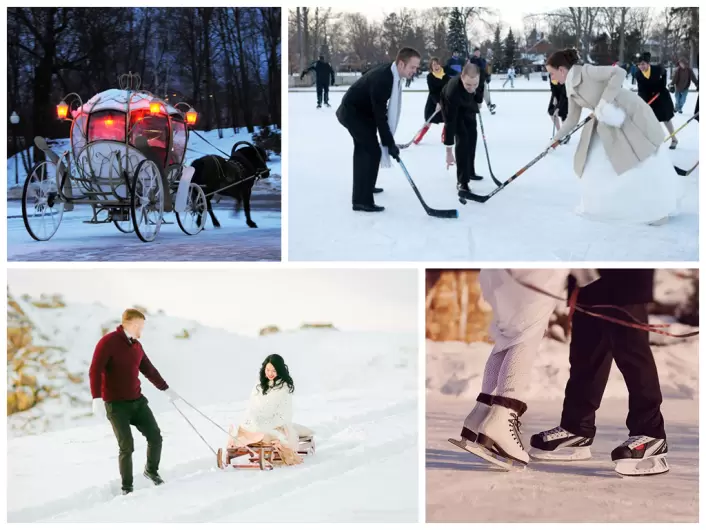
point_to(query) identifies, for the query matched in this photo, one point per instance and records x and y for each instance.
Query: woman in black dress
(436, 80)
(651, 80)
(558, 105)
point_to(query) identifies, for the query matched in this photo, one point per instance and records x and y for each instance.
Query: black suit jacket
(618, 287)
(367, 99)
(457, 103)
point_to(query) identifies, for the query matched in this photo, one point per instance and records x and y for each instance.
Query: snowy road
(533, 219)
(462, 488)
(77, 241)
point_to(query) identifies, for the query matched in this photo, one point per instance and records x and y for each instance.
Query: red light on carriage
(191, 116)
(62, 110)
(109, 122)
(155, 107)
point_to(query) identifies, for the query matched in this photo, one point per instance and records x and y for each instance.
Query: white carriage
(126, 160)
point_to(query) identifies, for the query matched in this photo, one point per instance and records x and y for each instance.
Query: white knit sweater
(269, 411)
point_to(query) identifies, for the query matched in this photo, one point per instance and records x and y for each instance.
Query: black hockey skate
(641, 455)
(491, 108)
(560, 444)
(318, 105)
(327, 104)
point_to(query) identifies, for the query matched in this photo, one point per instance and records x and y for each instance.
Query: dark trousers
(321, 90)
(465, 152)
(594, 344)
(366, 156)
(123, 414)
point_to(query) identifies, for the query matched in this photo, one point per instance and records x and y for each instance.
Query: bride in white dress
(625, 169)
(269, 415)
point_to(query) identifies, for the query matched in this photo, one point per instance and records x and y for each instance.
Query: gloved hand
(98, 408)
(609, 114)
(172, 395)
(394, 152)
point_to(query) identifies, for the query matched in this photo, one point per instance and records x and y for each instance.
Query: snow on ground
(365, 468)
(533, 219)
(234, 241)
(462, 488)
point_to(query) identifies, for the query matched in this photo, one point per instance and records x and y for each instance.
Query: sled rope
(194, 428)
(574, 306)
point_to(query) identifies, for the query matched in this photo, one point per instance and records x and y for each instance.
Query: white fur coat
(271, 412)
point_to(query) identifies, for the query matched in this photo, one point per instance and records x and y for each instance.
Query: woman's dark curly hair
(566, 58)
(282, 378)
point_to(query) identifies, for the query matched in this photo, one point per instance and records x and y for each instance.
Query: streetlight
(15, 121)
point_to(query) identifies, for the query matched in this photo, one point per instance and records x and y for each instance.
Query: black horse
(233, 177)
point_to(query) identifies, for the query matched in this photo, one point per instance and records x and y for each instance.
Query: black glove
(394, 152)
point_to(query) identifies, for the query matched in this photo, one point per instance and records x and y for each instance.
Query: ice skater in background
(454, 65)
(621, 294)
(436, 80)
(681, 81)
(460, 102)
(558, 105)
(510, 77)
(365, 112)
(652, 80)
(324, 74)
(624, 167)
(482, 65)
(520, 318)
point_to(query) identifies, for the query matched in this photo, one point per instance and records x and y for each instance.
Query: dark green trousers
(123, 414)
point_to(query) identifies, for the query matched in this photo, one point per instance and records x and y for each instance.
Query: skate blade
(575, 454)
(481, 452)
(655, 465)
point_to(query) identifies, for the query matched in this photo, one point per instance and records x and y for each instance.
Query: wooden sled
(263, 456)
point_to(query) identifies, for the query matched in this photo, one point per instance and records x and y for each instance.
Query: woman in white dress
(269, 415)
(520, 319)
(625, 170)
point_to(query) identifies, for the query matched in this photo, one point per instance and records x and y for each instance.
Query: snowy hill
(366, 428)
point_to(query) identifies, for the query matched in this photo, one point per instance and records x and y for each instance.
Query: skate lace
(556, 432)
(636, 440)
(515, 425)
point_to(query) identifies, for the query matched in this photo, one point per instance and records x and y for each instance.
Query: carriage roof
(120, 100)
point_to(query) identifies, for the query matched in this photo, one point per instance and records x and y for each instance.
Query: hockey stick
(483, 198)
(427, 124)
(680, 128)
(446, 214)
(487, 156)
(685, 172)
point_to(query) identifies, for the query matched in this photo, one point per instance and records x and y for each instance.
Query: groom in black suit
(596, 342)
(363, 112)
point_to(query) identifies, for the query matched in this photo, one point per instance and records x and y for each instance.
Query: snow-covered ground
(532, 219)
(234, 241)
(462, 488)
(365, 468)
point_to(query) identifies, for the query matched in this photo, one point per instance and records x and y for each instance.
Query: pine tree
(510, 49)
(498, 58)
(456, 39)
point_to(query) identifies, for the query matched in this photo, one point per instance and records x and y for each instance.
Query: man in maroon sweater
(114, 380)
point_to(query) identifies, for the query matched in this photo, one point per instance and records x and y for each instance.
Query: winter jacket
(454, 66)
(323, 72)
(558, 93)
(663, 106)
(367, 99)
(683, 77)
(637, 139)
(435, 85)
(456, 100)
(482, 65)
(114, 370)
(618, 287)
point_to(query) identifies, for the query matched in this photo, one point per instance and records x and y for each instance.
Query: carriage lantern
(155, 106)
(62, 110)
(191, 116)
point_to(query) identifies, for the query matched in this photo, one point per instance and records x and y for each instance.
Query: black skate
(560, 444)
(318, 105)
(327, 104)
(154, 477)
(641, 455)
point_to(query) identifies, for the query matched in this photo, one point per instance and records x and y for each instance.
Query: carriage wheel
(147, 200)
(42, 208)
(193, 219)
(126, 227)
